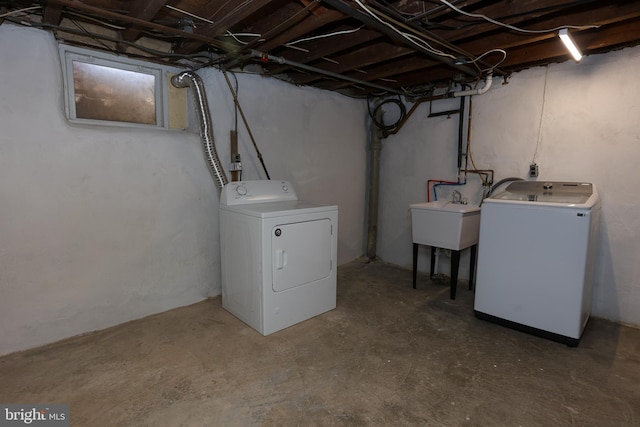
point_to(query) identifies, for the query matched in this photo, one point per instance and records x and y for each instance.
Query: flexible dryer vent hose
(192, 80)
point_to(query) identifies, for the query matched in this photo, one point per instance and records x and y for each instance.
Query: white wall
(316, 139)
(101, 225)
(588, 132)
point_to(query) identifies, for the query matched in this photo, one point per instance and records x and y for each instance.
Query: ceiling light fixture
(570, 44)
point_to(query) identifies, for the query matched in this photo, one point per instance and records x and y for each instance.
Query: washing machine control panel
(245, 192)
(555, 192)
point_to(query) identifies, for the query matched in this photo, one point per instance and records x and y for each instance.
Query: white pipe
(480, 91)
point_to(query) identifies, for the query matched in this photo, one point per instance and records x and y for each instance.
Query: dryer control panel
(248, 192)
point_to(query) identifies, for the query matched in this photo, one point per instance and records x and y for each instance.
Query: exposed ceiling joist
(357, 47)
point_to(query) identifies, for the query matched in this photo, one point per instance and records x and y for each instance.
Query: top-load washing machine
(279, 255)
(536, 256)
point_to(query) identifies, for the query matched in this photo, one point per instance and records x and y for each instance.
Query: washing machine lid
(556, 193)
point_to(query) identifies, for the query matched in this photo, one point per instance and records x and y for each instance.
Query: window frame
(69, 54)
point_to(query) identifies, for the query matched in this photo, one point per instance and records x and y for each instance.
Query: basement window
(106, 89)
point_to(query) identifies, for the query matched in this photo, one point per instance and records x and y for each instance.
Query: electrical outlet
(533, 170)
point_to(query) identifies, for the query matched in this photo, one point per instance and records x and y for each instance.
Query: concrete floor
(388, 355)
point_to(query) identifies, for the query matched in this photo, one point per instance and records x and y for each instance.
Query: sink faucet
(457, 198)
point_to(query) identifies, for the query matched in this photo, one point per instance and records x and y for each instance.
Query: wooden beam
(363, 58)
(348, 10)
(232, 14)
(52, 14)
(326, 46)
(307, 24)
(145, 10)
(135, 21)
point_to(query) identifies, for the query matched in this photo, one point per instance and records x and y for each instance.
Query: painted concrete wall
(582, 127)
(101, 225)
(315, 139)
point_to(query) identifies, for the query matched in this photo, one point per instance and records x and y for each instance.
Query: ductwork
(192, 80)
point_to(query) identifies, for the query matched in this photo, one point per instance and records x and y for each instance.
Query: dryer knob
(241, 190)
(285, 188)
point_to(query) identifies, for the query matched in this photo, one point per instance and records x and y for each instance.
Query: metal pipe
(281, 60)
(374, 186)
(460, 134)
(246, 123)
(192, 80)
(233, 139)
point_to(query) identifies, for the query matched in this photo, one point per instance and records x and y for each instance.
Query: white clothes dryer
(279, 255)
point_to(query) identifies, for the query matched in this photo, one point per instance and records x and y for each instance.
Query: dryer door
(301, 253)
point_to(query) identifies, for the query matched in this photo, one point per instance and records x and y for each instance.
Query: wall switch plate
(533, 170)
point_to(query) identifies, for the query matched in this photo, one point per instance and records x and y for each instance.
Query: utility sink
(443, 224)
